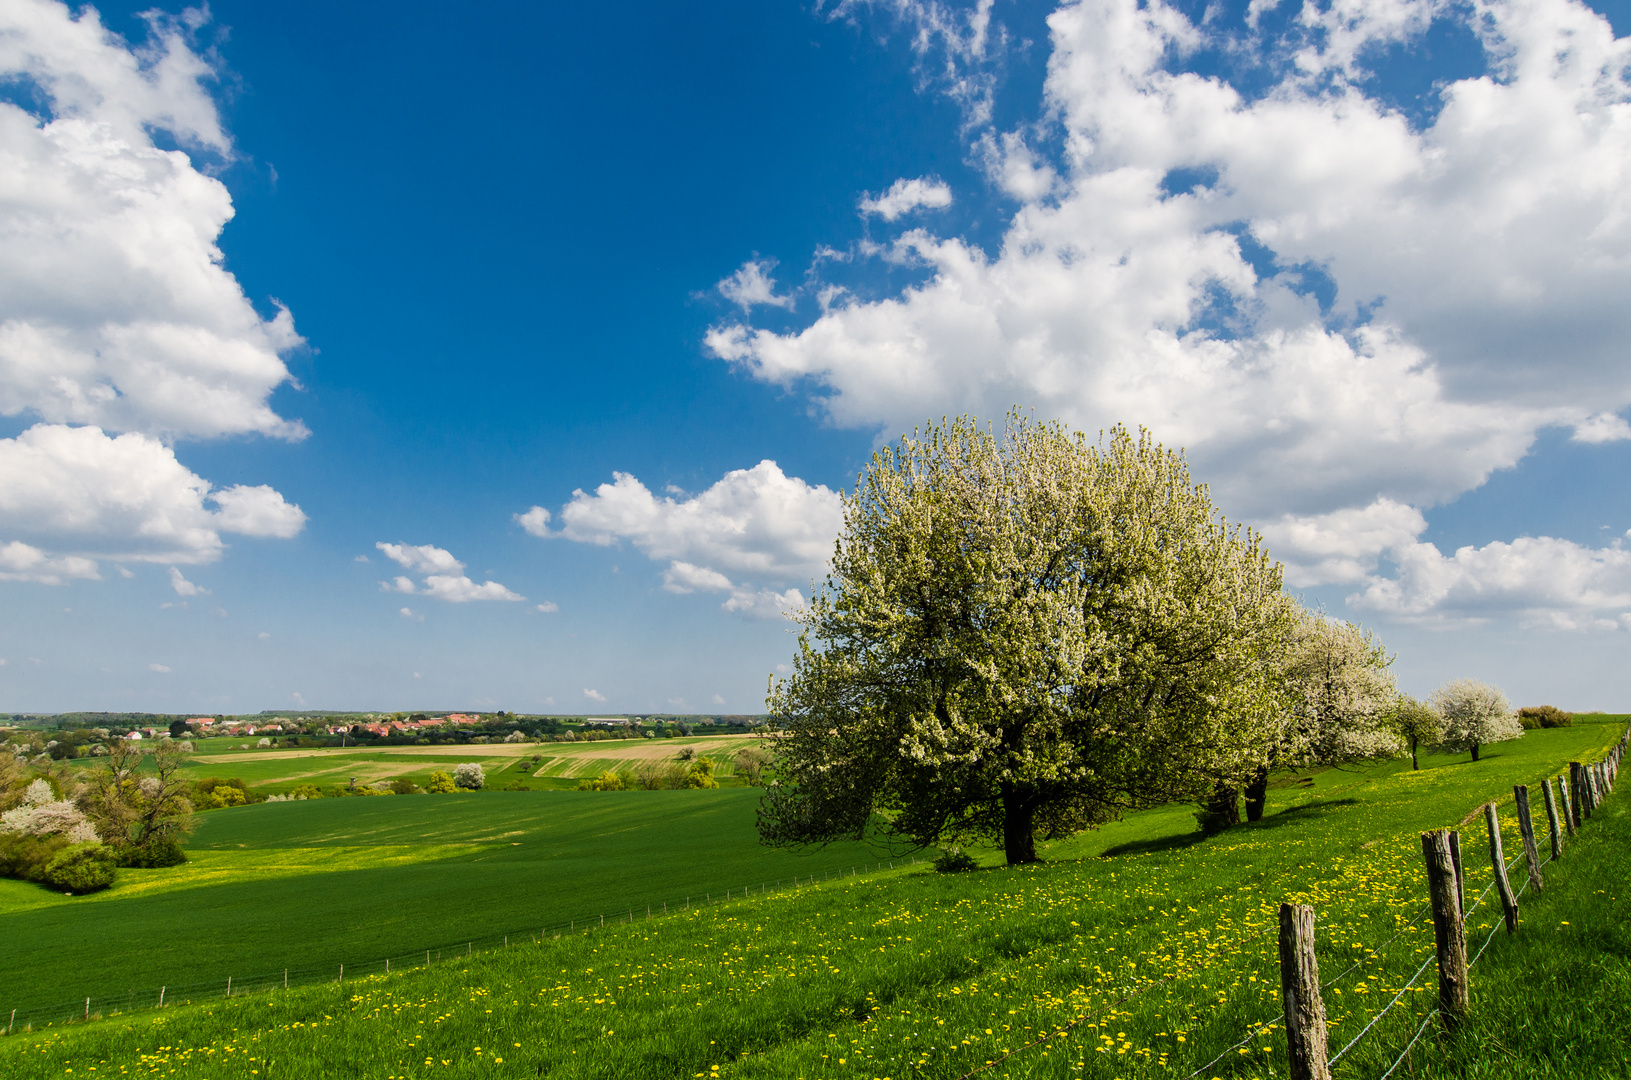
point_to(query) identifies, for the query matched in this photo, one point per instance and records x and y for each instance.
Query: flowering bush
(43, 814)
(441, 783)
(468, 775)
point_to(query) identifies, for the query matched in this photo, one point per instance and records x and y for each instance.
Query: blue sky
(1343, 254)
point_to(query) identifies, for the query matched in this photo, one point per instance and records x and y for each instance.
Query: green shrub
(25, 858)
(606, 781)
(224, 796)
(307, 791)
(209, 796)
(80, 868)
(441, 783)
(701, 774)
(1544, 716)
(404, 787)
(955, 861)
(153, 856)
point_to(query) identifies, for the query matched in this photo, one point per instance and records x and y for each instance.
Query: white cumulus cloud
(19, 562)
(534, 521)
(1345, 316)
(183, 587)
(752, 285)
(593, 695)
(80, 490)
(1543, 581)
(904, 196)
(752, 531)
(117, 314)
(443, 575)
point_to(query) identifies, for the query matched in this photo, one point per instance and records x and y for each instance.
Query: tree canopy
(1025, 635)
(1474, 715)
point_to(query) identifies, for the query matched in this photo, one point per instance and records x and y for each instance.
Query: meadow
(332, 881)
(559, 765)
(1141, 950)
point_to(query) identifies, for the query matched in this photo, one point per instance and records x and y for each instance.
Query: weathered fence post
(1526, 825)
(1568, 804)
(161, 997)
(87, 1008)
(1460, 877)
(1449, 936)
(1577, 793)
(285, 978)
(1300, 992)
(1509, 900)
(1551, 817)
(229, 986)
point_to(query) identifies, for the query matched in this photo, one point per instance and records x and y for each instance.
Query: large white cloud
(115, 309)
(1161, 267)
(1543, 581)
(757, 534)
(126, 497)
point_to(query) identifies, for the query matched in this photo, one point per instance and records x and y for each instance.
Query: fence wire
(1422, 1027)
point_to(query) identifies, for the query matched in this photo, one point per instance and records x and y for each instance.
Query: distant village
(68, 735)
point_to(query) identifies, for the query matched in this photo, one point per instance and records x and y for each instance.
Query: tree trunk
(1257, 794)
(1414, 763)
(1018, 828)
(1475, 751)
(1222, 810)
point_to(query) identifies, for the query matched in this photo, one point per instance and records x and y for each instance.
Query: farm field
(1160, 947)
(293, 884)
(560, 765)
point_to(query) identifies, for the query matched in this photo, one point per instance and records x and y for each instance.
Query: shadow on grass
(1291, 815)
(1164, 843)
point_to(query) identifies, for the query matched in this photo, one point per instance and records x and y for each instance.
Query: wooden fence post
(1568, 804)
(1577, 793)
(1300, 992)
(1449, 936)
(1460, 877)
(1551, 818)
(1509, 901)
(1526, 825)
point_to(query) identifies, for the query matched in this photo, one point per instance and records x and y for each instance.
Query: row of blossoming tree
(1028, 634)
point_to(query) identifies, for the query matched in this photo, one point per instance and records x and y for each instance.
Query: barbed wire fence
(1585, 787)
(98, 1006)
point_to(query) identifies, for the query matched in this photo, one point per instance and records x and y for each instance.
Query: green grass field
(295, 884)
(1156, 946)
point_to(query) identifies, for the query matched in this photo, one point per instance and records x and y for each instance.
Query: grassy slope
(347, 880)
(923, 974)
